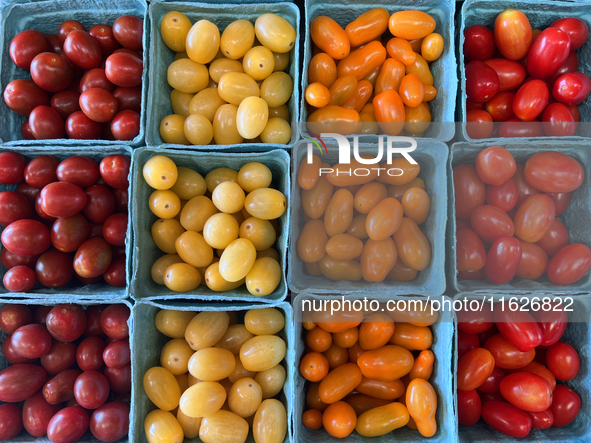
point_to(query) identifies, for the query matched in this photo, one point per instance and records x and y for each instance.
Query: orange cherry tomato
(387, 363)
(432, 47)
(342, 89)
(421, 402)
(416, 205)
(335, 119)
(361, 96)
(362, 403)
(313, 400)
(411, 24)
(314, 366)
(409, 172)
(330, 37)
(421, 68)
(322, 69)
(411, 90)
(308, 172)
(418, 119)
(339, 213)
(339, 382)
(347, 338)
(311, 244)
(397, 191)
(338, 322)
(336, 356)
(401, 50)
(315, 200)
(412, 245)
(513, 34)
(308, 325)
(375, 331)
(377, 259)
(430, 93)
(384, 219)
(386, 390)
(368, 26)
(317, 95)
(401, 272)
(362, 61)
(423, 366)
(391, 75)
(339, 419)
(389, 110)
(318, 339)
(416, 44)
(368, 196)
(354, 352)
(312, 419)
(382, 420)
(411, 337)
(474, 367)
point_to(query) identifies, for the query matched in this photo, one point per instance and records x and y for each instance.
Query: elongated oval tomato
(474, 368)
(469, 407)
(375, 331)
(503, 196)
(576, 29)
(495, 165)
(541, 420)
(490, 223)
(506, 418)
(339, 382)
(421, 401)
(534, 217)
(368, 26)
(479, 43)
(387, 363)
(552, 171)
(531, 99)
(536, 368)
(401, 50)
(412, 337)
(411, 25)
(413, 246)
(362, 61)
(513, 34)
(555, 238)
(511, 73)
(519, 328)
(386, 390)
(469, 190)
(503, 259)
(548, 52)
(534, 261)
(389, 110)
(558, 121)
(382, 420)
(565, 405)
(384, 219)
(572, 88)
(330, 37)
(482, 82)
(570, 264)
(475, 322)
(500, 107)
(335, 119)
(527, 391)
(507, 356)
(552, 323)
(470, 252)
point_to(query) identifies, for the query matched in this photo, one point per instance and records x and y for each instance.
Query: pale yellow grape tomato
(193, 249)
(164, 204)
(189, 184)
(174, 28)
(180, 102)
(270, 422)
(237, 39)
(219, 67)
(162, 388)
(172, 130)
(173, 323)
(239, 371)
(204, 398)
(237, 260)
(245, 397)
(252, 117)
(160, 172)
(215, 281)
(165, 233)
(234, 87)
(265, 203)
(277, 131)
(206, 103)
(228, 197)
(254, 175)
(196, 212)
(162, 427)
(264, 277)
(258, 62)
(190, 425)
(223, 427)
(277, 89)
(206, 328)
(235, 336)
(281, 61)
(160, 266)
(220, 175)
(211, 364)
(280, 111)
(175, 356)
(262, 352)
(267, 321)
(260, 232)
(198, 129)
(220, 230)
(275, 33)
(225, 131)
(203, 41)
(271, 380)
(186, 75)
(181, 277)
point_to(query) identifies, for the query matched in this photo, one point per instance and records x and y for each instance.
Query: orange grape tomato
(387, 363)
(312, 241)
(401, 272)
(330, 37)
(336, 356)
(315, 200)
(389, 110)
(317, 95)
(339, 212)
(339, 382)
(418, 119)
(312, 399)
(416, 44)
(368, 26)
(411, 25)
(416, 205)
(377, 259)
(368, 196)
(411, 90)
(375, 331)
(308, 173)
(312, 419)
(384, 219)
(385, 390)
(314, 366)
(338, 270)
(423, 366)
(373, 76)
(362, 61)
(354, 352)
(401, 50)
(335, 119)
(432, 47)
(339, 419)
(513, 34)
(430, 93)
(412, 245)
(382, 420)
(342, 89)
(409, 172)
(347, 338)
(397, 191)
(390, 76)
(361, 96)
(341, 175)
(362, 403)
(411, 337)
(421, 401)
(421, 68)
(339, 321)
(318, 339)
(322, 69)
(357, 227)
(344, 247)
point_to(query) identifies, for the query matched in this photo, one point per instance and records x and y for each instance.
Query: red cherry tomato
(475, 322)
(26, 237)
(474, 368)
(466, 342)
(572, 88)
(119, 379)
(79, 126)
(26, 45)
(96, 78)
(511, 74)
(519, 328)
(495, 165)
(11, 421)
(98, 104)
(126, 125)
(66, 27)
(552, 171)
(115, 229)
(534, 261)
(66, 322)
(31, 341)
(503, 196)
(37, 414)
(124, 69)
(482, 82)
(93, 258)
(114, 321)
(527, 391)
(66, 102)
(563, 361)
(469, 190)
(68, 425)
(490, 223)
(19, 382)
(114, 170)
(566, 405)
(89, 354)
(555, 238)
(46, 123)
(471, 255)
(117, 354)
(22, 96)
(54, 269)
(79, 170)
(541, 420)
(571, 64)
(61, 199)
(503, 259)
(548, 52)
(82, 49)
(534, 217)
(479, 43)
(576, 29)
(19, 279)
(506, 355)
(558, 121)
(500, 107)
(515, 127)
(530, 100)
(13, 317)
(552, 323)
(523, 187)
(12, 167)
(561, 201)
(14, 207)
(129, 98)
(101, 204)
(506, 418)
(110, 422)
(103, 34)
(51, 72)
(28, 191)
(479, 124)
(492, 383)
(60, 357)
(469, 407)
(513, 34)
(129, 30)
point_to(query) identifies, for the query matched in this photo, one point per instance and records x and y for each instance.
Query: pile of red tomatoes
(89, 79)
(509, 364)
(527, 79)
(506, 218)
(72, 369)
(64, 218)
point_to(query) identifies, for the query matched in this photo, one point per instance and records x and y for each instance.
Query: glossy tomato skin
(506, 356)
(469, 190)
(13, 317)
(82, 49)
(511, 74)
(482, 82)
(14, 207)
(114, 170)
(51, 72)
(474, 368)
(28, 191)
(503, 196)
(31, 341)
(129, 30)
(558, 121)
(115, 229)
(530, 100)
(103, 34)
(490, 223)
(54, 269)
(114, 321)
(534, 261)
(68, 234)
(19, 279)
(19, 382)
(68, 425)
(519, 328)
(60, 357)
(62, 199)
(41, 171)
(571, 88)
(79, 126)
(26, 237)
(541, 420)
(552, 323)
(561, 201)
(515, 127)
(91, 389)
(115, 274)
(527, 391)
(11, 260)
(500, 107)
(22, 96)
(126, 125)
(117, 354)
(12, 167)
(66, 27)
(98, 104)
(124, 69)
(479, 124)
(12, 356)
(93, 258)
(110, 422)
(552, 171)
(570, 264)
(506, 418)
(46, 123)
(37, 414)
(502, 260)
(26, 45)
(11, 422)
(576, 29)
(493, 382)
(479, 43)
(66, 322)
(571, 64)
(79, 170)
(566, 405)
(100, 204)
(471, 255)
(513, 34)
(89, 354)
(475, 322)
(495, 165)
(96, 78)
(119, 379)
(563, 361)
(469, 407)
(534, 217)
(548, 52)
(60, 388)
(65, 102)
(26, 131)
(129, 98)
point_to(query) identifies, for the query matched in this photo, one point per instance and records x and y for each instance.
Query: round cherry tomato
(471, 255)
(129, 31)
(46, 123)
(527, 391)
(566, 405)
(506, 418)
(492, 383)
(114, 170)
(500, 107)
(103, 34)
(511, 74)
(13, 317)
(563, 361)
(548, 52)
(31, 341)
(22, 96)
(124, 69)
(482, 82)
(469, 190)
(571, 88)
(503, 259)
(576, 29)
(474, 368)
(51, 72)
(552, 171)
(530, 100)
(513, 34)
(558, 121)
(66, 102)
(110, 422)
(506, 355)
(82, 49)
(126, 125)
(79, 126)
(91, 389)
(11, 421)
(339, 419)
(66, 322)
(495, 165)
(479, 124)
(26, 45)
(19, 279)
(26, 237)
(503, 196)
(479, 43)
(54, 269)
(98, 104)
(114, 321)
(68, 425)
